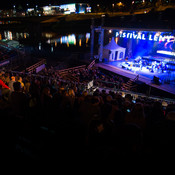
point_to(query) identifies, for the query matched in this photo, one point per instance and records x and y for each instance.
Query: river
(52, 46)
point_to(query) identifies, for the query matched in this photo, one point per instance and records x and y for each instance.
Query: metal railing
(68, 70)
(34, 66)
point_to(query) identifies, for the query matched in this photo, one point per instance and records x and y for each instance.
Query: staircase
(129, 85)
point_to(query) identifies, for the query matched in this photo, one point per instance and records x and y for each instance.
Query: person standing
(3, 85)
(11, 82)
(4, 90)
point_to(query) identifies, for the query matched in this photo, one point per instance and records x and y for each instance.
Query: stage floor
(144, 76)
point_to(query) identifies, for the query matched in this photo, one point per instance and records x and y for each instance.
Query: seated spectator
(129, 141)
(156, 115)
(3, 85)
(20, 80)
(162, 137)
(136, 116)
(96, 133)
(27, 86)
(11, 83)
(18, 101)
(5, 90)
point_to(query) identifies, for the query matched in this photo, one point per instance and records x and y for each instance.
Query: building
(73, 8)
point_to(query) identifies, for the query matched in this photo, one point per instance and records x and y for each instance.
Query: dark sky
(10, 3)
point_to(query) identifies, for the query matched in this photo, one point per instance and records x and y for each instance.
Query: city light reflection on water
(52, 39)
(9, 35)
(68, 40)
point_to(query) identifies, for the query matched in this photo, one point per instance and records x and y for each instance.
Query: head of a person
(13, 78)
(20, 79)
(171, 116)
(71, 93)
(109, 98)
(138, 110)
(17, 86)
(46, 91)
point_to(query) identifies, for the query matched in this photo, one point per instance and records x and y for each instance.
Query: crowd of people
(61, 118)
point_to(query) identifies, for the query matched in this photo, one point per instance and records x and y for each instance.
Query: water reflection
(51, 38)
(9, 35)
(49, 41)
(39, 47)
(68, 40)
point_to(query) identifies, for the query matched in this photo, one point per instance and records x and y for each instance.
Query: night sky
(9, 3)
(32, 3)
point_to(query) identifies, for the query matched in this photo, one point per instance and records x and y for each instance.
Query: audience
(18, 101)
(102, 123)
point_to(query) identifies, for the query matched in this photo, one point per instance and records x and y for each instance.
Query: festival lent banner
(146, 43)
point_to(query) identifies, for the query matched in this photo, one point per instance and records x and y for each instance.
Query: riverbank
(146, 18)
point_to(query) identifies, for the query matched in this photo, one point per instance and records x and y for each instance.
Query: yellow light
(80, 42)
(158, 34)
(110, 31)
(67, 44)
(116, 40)
(87, 40)
(120, 4)
(55, 44)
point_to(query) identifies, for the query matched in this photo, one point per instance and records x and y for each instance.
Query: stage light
(158, 33)
(166, 52)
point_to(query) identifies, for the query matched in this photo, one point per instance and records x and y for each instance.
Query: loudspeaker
(156, 80)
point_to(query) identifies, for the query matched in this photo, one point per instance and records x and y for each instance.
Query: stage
(145, 77)
(147, 53)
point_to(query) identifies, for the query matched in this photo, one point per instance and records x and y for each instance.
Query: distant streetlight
(112, 8)
(14, 11)
(120, 4)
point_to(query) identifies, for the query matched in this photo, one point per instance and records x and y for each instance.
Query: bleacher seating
(59, 123)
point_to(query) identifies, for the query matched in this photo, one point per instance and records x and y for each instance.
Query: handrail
(91, 64)
(72, 68)
(32, 68)
(108, 82)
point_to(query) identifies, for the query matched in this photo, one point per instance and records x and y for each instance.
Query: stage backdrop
(146, 43)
